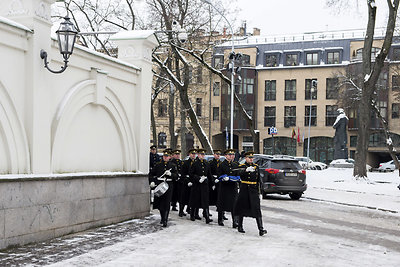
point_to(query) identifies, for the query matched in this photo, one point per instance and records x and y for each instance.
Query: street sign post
(273, 131)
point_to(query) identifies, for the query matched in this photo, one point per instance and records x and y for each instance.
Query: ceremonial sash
(231, 178)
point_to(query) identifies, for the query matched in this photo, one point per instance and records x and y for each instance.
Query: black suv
(281, 175)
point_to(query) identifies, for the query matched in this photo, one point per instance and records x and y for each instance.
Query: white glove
(226, 178)
(214, 176)
(202, 178)
(167, 173)
(213, 187)
(250, 169)
(152, 185)
(216, 181)
(190, 184)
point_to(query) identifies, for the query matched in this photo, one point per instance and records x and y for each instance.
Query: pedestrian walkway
(73, 245)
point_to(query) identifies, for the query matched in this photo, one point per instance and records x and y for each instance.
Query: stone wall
(35, 208)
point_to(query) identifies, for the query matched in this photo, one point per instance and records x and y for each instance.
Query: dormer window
(312, 58)
(333, 57)
(292, 59)
(271, 60)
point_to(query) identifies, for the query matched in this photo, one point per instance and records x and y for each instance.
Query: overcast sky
(299, 16)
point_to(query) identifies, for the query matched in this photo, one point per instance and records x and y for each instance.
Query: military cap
(153, 147)
(201, 151)
(176, 151)
(194, 151)
(217, 151)
(167, 152)
(249, 154)
(229, 151)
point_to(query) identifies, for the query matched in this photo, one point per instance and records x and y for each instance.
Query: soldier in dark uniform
(213, 188)
(228, 188)
(200, 175)
(164, 170)
(154, 157)
(248, 201)
(176, 159)
(185, 188)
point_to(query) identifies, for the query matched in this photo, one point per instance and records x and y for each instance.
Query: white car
(314, 165)
(387, 166)
(345, 163)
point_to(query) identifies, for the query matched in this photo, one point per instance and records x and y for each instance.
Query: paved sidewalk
(69, 246)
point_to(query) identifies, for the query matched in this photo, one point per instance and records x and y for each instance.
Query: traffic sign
(272, 130)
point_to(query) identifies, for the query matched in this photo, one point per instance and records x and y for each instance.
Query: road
(300, 233)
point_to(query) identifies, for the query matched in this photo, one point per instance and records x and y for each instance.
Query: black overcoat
(199, 191)
(177, 183)
(227, 190)
(185, 179)
(248, 201)
(163, 202)
(212, 186)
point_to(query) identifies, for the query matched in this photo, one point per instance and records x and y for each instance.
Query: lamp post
(312, 90)
(66, 35)
(232, 59)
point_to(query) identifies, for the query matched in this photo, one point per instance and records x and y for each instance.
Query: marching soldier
(176, 159)
(213, 189)
(227, 187)
(185, 188)
(200, 175)
(154, 157)
(248, 201)
(165, 170)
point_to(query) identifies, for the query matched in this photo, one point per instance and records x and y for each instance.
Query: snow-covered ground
(291, 241)
(338, 185)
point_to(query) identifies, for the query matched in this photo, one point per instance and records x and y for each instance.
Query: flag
(298, 135)
(293, 133)
(303, 136)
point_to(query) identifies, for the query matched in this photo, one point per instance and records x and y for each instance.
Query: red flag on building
(298, 135)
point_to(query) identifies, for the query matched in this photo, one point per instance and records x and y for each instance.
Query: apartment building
(275, 87)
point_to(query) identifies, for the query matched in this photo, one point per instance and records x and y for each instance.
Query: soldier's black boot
(192, 211)
(204, 213)
(261, 230)
(221, 218)
(207, 216)
(181, 213)
(173, 205)
(234, 221)
(196, 214)
(240, 225)
(162, 217)
(165, 218)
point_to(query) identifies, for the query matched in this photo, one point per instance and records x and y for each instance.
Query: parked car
(387, 166)
(314, 165)
(345, 163)
(281, 174)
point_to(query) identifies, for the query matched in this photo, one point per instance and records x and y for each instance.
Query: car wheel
(318, 168)
(295, 195)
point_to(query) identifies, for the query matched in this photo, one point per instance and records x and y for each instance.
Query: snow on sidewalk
(339, 186)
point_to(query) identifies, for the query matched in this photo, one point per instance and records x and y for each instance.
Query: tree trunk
(364, 115)
(153, 125)
(171, 116)
(183, 132)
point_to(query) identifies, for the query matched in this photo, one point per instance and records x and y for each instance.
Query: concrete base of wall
(36, 208)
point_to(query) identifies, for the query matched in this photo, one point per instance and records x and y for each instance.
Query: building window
(353, 141)
(248, 86)
(198, 106)
(313, 116)
(292, 60)
(216, 88)
(290, 116)
(162, 107)
(269, 116)
(215, 113)
(330, 115)
(245, 60)
(308, 90)
(395, 110)
(312, 59)
(333, 58)
(219, 62)
(199, 74)
(396, 54)
(162, 140)
(270, 90)
(395, 82)
(290, 89)
(374, 52)
(382, 105)
(271, 60)
(332, 91)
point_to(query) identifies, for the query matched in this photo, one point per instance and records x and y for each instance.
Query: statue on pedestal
(340, 139)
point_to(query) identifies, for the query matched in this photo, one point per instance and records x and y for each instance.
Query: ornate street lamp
(66, 35)
(312, 90)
